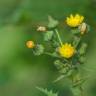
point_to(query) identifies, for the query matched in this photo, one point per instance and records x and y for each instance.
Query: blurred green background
(20, 71)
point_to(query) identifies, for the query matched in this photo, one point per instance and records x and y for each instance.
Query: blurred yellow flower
(30, 44)
(66, 50)
(74, 21)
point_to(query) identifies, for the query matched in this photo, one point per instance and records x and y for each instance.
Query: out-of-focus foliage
(47, 92)
(20, 71)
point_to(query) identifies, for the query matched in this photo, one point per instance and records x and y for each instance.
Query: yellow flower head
(30, 44)
(74, 21)
(66, 50)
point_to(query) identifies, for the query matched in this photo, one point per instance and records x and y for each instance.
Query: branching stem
(57, 33)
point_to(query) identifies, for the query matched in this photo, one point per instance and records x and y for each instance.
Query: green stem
(57, 33)
(80, 91)
(50, 54)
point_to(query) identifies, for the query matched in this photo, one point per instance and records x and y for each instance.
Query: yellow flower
(30, 44)
(74, 21)
(66, 50)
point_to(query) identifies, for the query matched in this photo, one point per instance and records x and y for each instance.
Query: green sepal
(52, 22)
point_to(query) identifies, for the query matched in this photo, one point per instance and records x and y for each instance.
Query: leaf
(59, 78)
(76, 91)
(46, 92)
(48, 35)
(52, 22)
(82, 59)
(82, 49)
(76, 41)
(79, 82)
(75, 31)
(58, 64)
(64, 75)
(38, 50)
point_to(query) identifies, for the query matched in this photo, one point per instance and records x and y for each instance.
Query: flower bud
(83, 28)
(30, 44)
(41, 28)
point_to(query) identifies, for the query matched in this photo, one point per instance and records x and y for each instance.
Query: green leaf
(52, 22)
(82, 59)
(47, 92)
(76, 41)
(55, 43)
(82, 49)
(39, 49)
(59, 78)
(76, 91)
(79, 82)
(48, 35)
(58, 64)
(64, 75)
(75, 31)
(63, 68)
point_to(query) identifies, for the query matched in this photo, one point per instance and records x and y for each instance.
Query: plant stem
(80, 91)
(50, 54)
(57, 33)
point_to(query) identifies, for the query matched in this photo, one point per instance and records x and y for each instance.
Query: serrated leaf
(64, 75)
(63, 68)
(55, 43)
(39, 49)
(59, 65)
(48, 35)
(47, 92)
(52, 22)
(79, 82)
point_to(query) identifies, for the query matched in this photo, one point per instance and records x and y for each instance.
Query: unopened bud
(83, 28)
(30, 44)
(41, 28)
